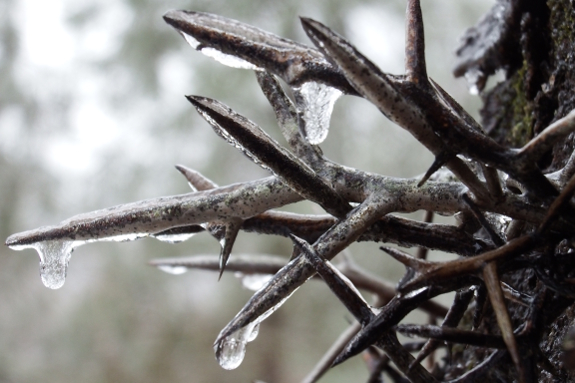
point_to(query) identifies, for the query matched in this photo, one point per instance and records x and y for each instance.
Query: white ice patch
(315, 101)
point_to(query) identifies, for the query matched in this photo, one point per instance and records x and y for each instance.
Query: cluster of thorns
(511, 216)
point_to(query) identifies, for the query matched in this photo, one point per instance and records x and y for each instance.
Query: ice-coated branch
(259, 146)
(254, 48)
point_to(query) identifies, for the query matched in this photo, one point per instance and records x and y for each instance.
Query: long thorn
(493, 285)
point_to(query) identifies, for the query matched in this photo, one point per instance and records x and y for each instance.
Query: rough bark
(534, 45)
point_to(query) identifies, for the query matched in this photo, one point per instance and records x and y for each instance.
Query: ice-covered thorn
(438, 162)
(341, 286)
(244, 263)
(418, 265)
(390, 315)
(231, 228)
(455, 107)
(299, 270)
(491, 278)
(284, 109)
(415, 68)
(262, 149)
(241, 45)
(287, 117)
(389, 94)
(359, 70)
(196, 180)
(143, 218)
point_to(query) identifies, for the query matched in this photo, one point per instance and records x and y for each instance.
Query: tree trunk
(533, 41)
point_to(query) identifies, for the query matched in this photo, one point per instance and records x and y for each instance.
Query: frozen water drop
(54, 258)
(170, 269)
(316, 101)
(231, 353)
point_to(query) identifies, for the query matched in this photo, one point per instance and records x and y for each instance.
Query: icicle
(231, 350)
(228, 60)
(316, 101)
(55, 255)
(54, 258)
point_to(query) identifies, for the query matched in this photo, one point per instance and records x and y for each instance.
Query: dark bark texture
(533, 41)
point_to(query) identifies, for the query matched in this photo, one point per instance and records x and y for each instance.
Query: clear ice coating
(222, 132)
(316, 101)
(231, 351)
(175, 270)
(55, 255)
(54, 258)
(228, 60)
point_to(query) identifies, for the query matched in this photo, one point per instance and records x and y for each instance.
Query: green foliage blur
(92, 114)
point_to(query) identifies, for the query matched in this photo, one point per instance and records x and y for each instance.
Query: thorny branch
(473, 177)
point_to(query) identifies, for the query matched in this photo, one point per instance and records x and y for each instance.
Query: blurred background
(93, 114)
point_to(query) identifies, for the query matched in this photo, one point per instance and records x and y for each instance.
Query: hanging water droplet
(54, 258)
(316, 101)
(220, 131)
(230, 351)
(175, 270)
